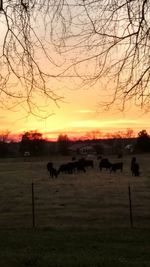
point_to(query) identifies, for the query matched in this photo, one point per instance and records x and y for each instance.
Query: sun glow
(78, 123)
(101, 124)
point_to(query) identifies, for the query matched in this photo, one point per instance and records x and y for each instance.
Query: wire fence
(81, 204)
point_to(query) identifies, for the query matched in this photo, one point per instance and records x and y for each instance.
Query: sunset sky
(80, 111)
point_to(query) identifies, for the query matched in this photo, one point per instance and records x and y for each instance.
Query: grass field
(91, 199)
(80, 219)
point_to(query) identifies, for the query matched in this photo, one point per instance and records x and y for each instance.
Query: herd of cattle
(81, 165)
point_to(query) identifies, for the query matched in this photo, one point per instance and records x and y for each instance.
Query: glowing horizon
(87, 130)
(77, 116)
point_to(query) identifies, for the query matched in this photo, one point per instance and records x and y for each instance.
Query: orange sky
(78, 115)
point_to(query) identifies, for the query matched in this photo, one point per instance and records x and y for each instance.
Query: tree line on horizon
(7, 136)
(34, 143)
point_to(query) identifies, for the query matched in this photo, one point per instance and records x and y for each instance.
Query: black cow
(72, 167)
(104, 163)
(66, 168)
(116, 166)
(52, 171)
(49, 166)
(135, 167)
(86, 162)
(89, 163)
(79, 166)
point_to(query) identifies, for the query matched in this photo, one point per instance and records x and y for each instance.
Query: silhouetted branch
(45, 42)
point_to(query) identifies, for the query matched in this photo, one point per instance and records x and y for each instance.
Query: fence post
(33, 206)
(130, 206)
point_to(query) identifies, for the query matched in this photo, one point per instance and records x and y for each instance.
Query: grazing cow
(87, 162)
(66, 168)
(116, 166)
(135, 167)
(79, 166)
(53, 173)
(72, 167)
(104, 163)
(49, 166)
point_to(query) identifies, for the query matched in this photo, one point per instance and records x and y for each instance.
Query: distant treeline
(33, 144)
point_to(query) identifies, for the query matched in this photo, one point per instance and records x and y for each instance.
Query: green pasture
(80, 219)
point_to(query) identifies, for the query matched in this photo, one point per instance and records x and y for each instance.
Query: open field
(93, 199)
(82, 220)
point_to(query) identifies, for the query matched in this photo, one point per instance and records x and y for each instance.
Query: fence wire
(74, 203)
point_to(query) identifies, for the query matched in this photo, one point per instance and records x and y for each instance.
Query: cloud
(84, 111)
(100, 124)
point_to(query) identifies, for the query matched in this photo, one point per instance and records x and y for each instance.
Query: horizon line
(82, 135)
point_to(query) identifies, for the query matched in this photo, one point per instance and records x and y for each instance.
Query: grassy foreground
(74, 247)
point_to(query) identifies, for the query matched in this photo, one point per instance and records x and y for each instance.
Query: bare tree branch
(44, 42)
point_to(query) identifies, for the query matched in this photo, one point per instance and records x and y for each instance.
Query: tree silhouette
(23, 79)
(109, 41)
(33, 143)
(63, 144)
(143, 141)
(95, 41)
(4, 140)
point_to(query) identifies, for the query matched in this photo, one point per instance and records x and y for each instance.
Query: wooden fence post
(130, 206)
(33, 206)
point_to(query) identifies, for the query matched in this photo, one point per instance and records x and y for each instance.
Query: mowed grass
(80, 219)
